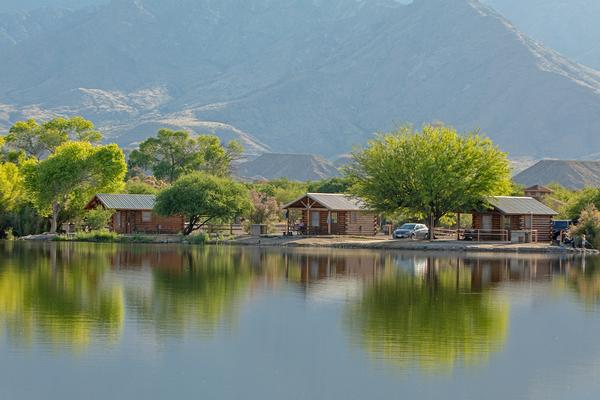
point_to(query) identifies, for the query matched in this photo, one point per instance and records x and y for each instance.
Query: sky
(26, 5)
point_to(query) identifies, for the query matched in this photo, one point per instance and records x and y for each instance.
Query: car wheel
(413, 236)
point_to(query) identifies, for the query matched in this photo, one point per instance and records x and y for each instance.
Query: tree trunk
(431, 227)
(54, 220)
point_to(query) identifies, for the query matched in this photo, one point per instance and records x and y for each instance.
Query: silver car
(411, 231)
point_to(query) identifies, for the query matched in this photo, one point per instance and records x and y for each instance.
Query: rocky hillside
(295, 167)
(570, 27)
(307, 76)
(570, 174)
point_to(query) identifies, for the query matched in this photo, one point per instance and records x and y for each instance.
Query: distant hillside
(570, 174)
(568, 26)
(298, 75)
(295, 167)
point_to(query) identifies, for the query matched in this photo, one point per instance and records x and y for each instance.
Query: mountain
(302, 76)
(570, 27)
(570, 174)
(295, 167)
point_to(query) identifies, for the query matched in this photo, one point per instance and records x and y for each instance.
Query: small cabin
(333, 214)
(514, 219)
(538, 192)
(133, 213)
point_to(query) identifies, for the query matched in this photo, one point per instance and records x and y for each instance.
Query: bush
(588, 225)
(200, 238)
(98, 219)
(102, 235)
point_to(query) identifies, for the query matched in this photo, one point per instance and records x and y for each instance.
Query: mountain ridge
(249, 70)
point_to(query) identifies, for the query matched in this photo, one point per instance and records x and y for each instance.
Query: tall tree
(73, 174)
(11, 186)
(433, 172)
(172, 154)
(202, 198)
(37, 140)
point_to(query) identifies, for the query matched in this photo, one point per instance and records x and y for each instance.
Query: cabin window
(486, 222)
(118, 219)
(146, 216)
(315, 217)
(353, 217)
(334, 218)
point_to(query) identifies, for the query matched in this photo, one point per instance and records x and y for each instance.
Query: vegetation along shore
(59, 181)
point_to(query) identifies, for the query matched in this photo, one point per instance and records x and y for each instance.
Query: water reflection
(434, 316)
(57, 295)
(404, 309)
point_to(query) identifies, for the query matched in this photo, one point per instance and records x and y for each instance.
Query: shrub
(588, 225)
(200, 238)
(102, 235)
(98, 219)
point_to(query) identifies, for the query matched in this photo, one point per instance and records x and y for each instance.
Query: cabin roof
(539, 188)
(124, 201)
(331, 201)
(509, 205)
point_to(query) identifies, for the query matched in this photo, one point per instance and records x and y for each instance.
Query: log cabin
(133, 213)
(514, 219)
(334, 214)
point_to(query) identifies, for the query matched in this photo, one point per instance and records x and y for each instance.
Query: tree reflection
(585, 280)
(433, 319)
(44, 298)
(200, 290)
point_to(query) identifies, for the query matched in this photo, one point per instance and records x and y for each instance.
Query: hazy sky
(25, 5)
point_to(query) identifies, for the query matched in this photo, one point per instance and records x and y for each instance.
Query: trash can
(258, 229)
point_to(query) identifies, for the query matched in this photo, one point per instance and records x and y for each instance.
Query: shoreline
(338, 242)
(405, 245)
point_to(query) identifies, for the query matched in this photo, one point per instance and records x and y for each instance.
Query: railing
(480, 235)
(476, 235)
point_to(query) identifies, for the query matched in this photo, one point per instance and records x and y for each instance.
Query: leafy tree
(282, 189)
(11, 186)
(433, 172)
(72, 175)
(331, 185)
(172, 154)
(147, 185)
(588, 225)
(36, 140)
(265, 209)
(578, 201)
(202, 198)
(216, 159)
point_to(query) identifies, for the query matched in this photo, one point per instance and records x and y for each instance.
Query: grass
(106, 236)
(103, 236)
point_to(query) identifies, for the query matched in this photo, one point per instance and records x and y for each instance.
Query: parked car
(411, 231)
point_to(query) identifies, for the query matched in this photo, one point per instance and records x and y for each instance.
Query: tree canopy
(38, 140)
(432, 172)
(72, 175)
(202, 198)
(172, 154)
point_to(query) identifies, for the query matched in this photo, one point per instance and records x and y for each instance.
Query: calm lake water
(91, 321)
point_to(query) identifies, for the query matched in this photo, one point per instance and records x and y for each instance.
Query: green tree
(588, 224)
(72, 175)
(202, 198)
(37, 140)
(172, 154)
(433, 172)
(265, 209)
(331, 185)
(11, 186)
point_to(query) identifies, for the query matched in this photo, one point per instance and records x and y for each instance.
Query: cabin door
(130, 222)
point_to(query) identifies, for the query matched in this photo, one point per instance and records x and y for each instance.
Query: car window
(408, 226)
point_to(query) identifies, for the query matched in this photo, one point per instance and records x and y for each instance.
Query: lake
(106, 321)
